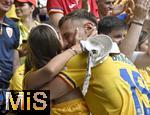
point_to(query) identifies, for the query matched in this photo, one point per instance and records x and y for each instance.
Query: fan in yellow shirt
(116, 87)
(108, 93)
(24, 10)
(17, 79)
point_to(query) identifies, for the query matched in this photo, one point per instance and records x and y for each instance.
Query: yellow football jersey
(116, 87)
(75, 70)
(145, 73)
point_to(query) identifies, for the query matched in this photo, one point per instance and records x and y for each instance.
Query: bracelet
(138, 23)
(74, 50)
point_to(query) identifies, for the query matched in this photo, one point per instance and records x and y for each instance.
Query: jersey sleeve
(68, 80)
(54, 6)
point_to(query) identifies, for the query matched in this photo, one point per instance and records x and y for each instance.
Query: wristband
(137, 23)
(74, 50)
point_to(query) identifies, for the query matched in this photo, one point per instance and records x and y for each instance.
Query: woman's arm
(58, 87)
(36, 79)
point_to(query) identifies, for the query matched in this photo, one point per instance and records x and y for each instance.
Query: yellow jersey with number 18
(117, 88)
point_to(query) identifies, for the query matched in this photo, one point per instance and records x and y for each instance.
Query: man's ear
(88, 28)
(33, 8)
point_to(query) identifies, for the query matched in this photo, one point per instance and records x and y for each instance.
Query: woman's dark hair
(28, 65)
(43, 46)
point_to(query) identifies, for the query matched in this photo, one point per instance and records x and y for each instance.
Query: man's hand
(141, 9)
(148, 15)
(146, 26)
(78, 36)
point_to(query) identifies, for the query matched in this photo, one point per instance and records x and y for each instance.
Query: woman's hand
(141, 9)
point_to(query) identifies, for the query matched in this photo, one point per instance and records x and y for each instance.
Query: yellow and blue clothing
(122, 16)
(9, 40)
(116, 87)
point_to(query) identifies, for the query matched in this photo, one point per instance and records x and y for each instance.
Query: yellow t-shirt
(116, 87)
(24, 31)
(74, 71)
(17, 79)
